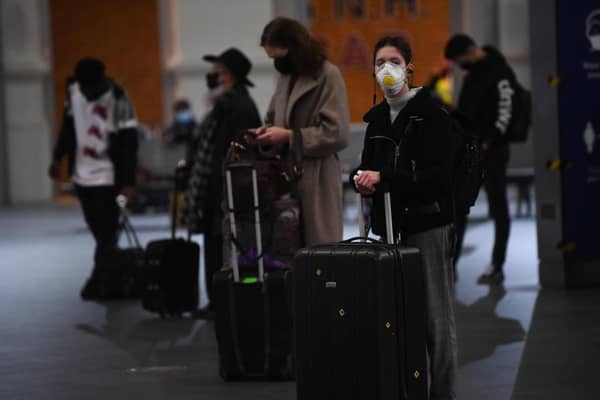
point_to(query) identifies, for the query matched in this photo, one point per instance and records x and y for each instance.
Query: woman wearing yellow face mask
(409, 151)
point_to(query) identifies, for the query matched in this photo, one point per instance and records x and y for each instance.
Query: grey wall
(513, 41)
(480, 20)
(192, 28)
(297, 9)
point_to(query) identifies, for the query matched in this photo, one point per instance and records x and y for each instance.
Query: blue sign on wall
(579, 115)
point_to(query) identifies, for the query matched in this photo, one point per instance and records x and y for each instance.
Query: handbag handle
(124, 223)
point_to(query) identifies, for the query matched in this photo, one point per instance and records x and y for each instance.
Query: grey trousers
(437, 251)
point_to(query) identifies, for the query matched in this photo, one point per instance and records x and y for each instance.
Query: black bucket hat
(236, 62)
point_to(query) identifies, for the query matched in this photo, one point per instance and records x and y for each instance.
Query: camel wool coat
(316, 109)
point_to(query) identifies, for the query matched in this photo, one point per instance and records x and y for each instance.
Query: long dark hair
(399, 43)
(306, 52)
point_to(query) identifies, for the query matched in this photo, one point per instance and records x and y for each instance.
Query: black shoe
(92, 290)
(491, 276)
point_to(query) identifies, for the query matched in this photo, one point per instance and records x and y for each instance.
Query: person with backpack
(487, 99)
(406, 151)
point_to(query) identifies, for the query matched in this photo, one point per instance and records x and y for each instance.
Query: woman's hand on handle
(365, 181)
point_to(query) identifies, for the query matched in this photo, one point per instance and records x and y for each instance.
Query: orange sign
(349, 30)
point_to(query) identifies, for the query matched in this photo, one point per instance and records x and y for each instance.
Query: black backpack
(468, 171)
(518, 129)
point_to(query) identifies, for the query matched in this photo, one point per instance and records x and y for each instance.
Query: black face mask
(284, 64)
(93, 91)
(212, 80)
(466, 65)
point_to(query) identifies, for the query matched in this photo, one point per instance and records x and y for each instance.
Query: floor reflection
(480, 330)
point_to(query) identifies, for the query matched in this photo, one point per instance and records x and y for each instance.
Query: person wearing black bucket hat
(236, 64)
(233, 112)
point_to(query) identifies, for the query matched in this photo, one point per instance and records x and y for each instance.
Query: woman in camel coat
(309, 111)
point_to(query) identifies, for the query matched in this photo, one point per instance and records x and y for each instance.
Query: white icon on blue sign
(589, 137)
(592, 29)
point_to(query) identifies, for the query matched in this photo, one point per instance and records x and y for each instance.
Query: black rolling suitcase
(170, 276)
(252, 322)
(359, 321)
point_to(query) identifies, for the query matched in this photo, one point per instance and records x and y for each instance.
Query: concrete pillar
(27, 101)
(3, 161)
(566, 83)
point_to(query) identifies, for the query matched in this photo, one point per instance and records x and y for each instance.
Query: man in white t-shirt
(99, 137)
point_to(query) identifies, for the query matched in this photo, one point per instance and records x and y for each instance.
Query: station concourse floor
(516, 341)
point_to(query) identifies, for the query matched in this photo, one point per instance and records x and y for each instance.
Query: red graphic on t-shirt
(100, 111)
(88, 151)
(95, 131)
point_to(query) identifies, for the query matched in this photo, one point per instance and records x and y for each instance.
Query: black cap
(236, 62)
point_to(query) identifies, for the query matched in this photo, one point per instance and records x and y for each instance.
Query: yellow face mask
(391, 78)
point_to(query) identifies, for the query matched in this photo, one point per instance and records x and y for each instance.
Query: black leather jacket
(415, 156)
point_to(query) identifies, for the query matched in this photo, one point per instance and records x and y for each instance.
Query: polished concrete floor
(515, 341)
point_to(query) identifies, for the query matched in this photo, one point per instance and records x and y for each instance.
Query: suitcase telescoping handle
(362, 225)
(389, 225)
(180, 171)
(232, 226)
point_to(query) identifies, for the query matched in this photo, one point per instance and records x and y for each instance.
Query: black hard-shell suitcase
(253, 324)
(170, 276)
(359, 321)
